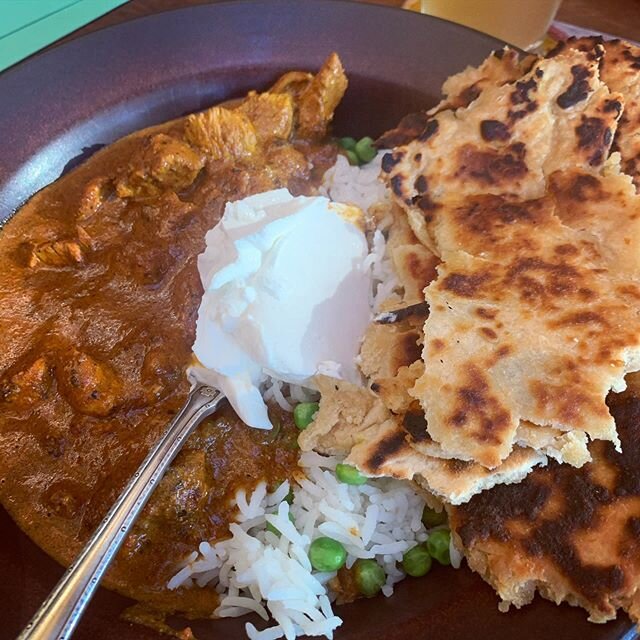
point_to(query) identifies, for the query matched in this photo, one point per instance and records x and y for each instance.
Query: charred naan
(619, 70)
(560, 115)
(571, 534)
(352, 421)
(534, 315)
(459, 90)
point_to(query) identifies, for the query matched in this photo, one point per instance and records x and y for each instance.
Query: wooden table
(619, 17)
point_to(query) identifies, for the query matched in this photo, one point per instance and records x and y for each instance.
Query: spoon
(61, 611)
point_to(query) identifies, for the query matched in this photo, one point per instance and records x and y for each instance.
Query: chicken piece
(159, 374)
(270, 113)
(27, 387)
(183, 492)
(95, 194)
(166, 215)
(162, 163)
(285, 164)
(223, 134)
(91, 387)
(56, 253)
(84, 239)
(317, 103)
(292, 83)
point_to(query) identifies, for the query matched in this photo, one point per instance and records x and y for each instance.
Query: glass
(523, 23)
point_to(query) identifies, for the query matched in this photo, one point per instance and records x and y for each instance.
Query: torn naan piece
(563, 447)
(413, 264)
(390, 358)
(353, 422)
(570, 447)
(619, 70)
(502, 66)
(571, 534)
(387, 359)
(559, 116)
(605, 210)
(540, 338)
(530, 319)
(390, 354)
(459, 90)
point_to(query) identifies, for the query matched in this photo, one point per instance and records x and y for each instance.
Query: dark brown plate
(59, 107)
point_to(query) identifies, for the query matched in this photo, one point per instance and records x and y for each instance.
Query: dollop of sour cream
(286, 294)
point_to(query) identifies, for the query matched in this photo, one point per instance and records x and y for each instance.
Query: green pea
(353, 157)
(365, 150)
(277, 531)
(438, 545)
(347, 143)
(327, 554)
(303, 414)
(349, 475)
(416, 562)
(369, 577)
(432, 518)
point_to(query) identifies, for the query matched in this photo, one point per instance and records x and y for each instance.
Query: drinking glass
(519, 22)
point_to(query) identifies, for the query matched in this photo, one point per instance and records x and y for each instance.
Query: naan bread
(552, 251)
(571, 534)
(390, 356)
(459, 90)
(541, 336)
(571, 447)
(619, 71)
(558, 116)
(534, 315)
(353, 422)
(390, 359)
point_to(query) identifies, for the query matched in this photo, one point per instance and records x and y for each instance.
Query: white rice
(255, 570)
(360, 186)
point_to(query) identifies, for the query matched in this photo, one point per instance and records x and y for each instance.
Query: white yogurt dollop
(286, 294)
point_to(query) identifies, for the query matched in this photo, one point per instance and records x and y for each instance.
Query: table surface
(619, 17)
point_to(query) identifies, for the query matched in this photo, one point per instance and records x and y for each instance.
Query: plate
(59, 107)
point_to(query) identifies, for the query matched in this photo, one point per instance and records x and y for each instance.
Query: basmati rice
(258, 571)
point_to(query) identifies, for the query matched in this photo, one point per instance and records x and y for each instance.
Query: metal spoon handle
(60, 613)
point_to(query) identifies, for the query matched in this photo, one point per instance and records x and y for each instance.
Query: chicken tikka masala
(99, 291)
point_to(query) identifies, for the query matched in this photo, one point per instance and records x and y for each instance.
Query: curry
(99, 292)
